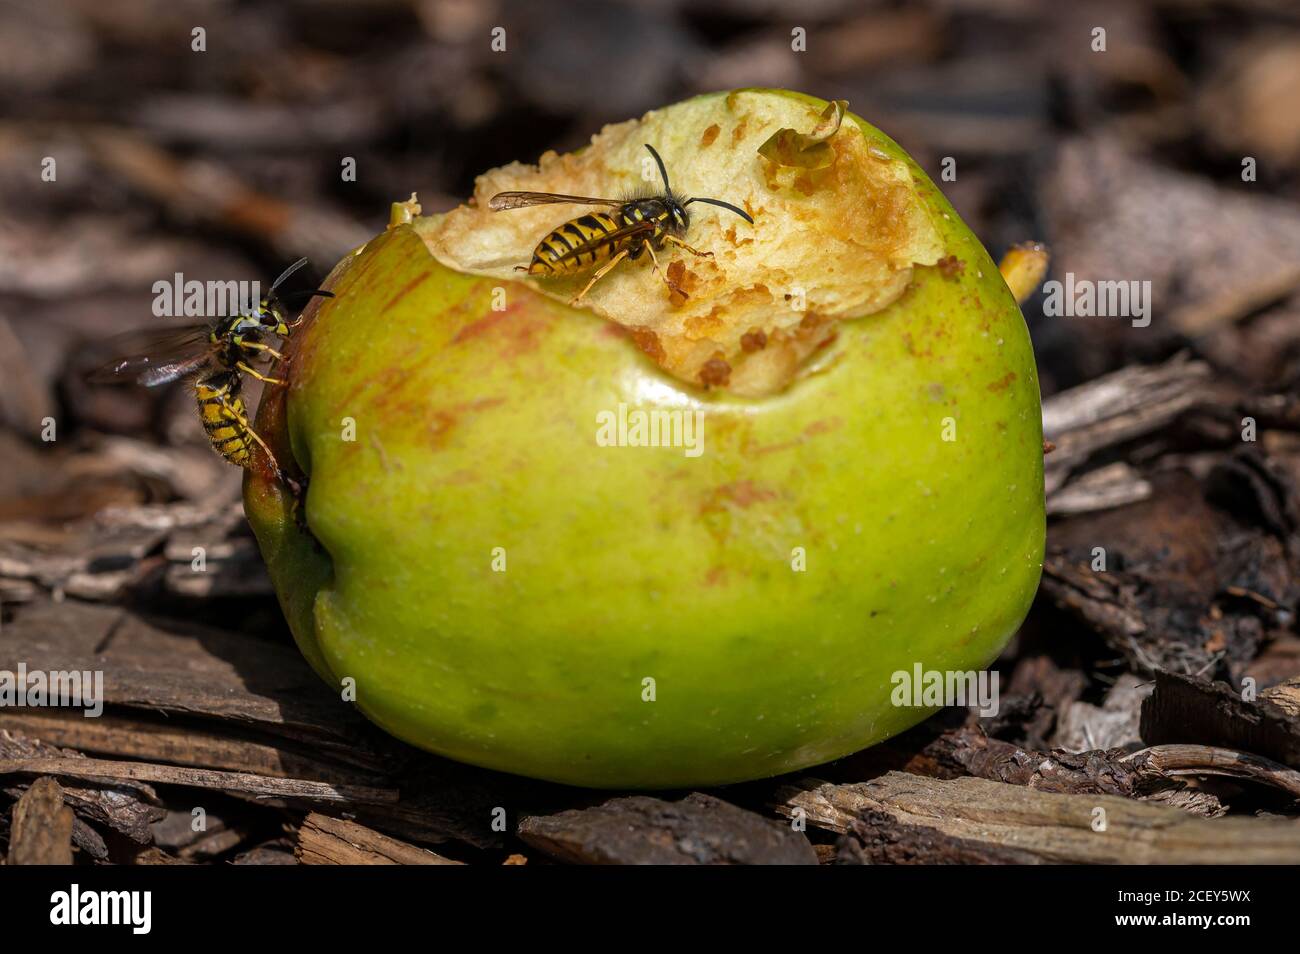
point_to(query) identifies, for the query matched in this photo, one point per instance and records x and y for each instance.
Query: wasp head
(679, 220)
(271, 311)
(271, 318)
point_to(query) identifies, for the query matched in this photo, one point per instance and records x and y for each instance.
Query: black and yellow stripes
(222, 412)
(638, 224)
(576, 245)
(590, 239)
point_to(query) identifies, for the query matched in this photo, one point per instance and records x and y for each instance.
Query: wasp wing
(173, 371)
(503, 201)
(154, 356)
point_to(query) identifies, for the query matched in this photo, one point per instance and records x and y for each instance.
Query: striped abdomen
(581, 243)
(222, 411)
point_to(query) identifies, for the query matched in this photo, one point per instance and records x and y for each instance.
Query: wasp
(638, 224)
(217, 354)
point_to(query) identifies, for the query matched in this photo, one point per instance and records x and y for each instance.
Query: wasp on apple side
(217, 353)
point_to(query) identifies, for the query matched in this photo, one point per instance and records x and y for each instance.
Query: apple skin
(476, 429)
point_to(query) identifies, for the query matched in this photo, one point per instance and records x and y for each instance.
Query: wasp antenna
(302, 296)
(724, 205)
(287, 272)
(662, 171)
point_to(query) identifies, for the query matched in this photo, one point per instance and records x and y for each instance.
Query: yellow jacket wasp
(219, 352)
(641, 224)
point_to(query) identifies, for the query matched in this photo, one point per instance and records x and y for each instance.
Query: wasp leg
(258, 346)
(599, 275)
(694, 251)
(261, 377)
(672, 286)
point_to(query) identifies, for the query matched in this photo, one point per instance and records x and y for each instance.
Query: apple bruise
(831, 242)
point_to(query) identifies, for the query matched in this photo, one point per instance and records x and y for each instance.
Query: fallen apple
(496, 558)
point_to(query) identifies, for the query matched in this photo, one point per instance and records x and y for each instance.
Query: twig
(258, 786)
(1165, 761)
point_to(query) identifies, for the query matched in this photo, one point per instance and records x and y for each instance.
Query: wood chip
(1153, 579)
(323, 840)
(274, 854)
(901, 818)
(1116, 408)
(181, 741)
(698, 830)
(127, 807)
(42, 827)
(1187, 709)
(185, 668)
(245, 783)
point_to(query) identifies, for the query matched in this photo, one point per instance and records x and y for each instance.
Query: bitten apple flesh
(507, 589)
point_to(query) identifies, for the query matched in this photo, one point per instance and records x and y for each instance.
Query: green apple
(491, 557)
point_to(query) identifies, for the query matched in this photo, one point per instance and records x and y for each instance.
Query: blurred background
(228, 162)
(1114, 131)
(1146, 140)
